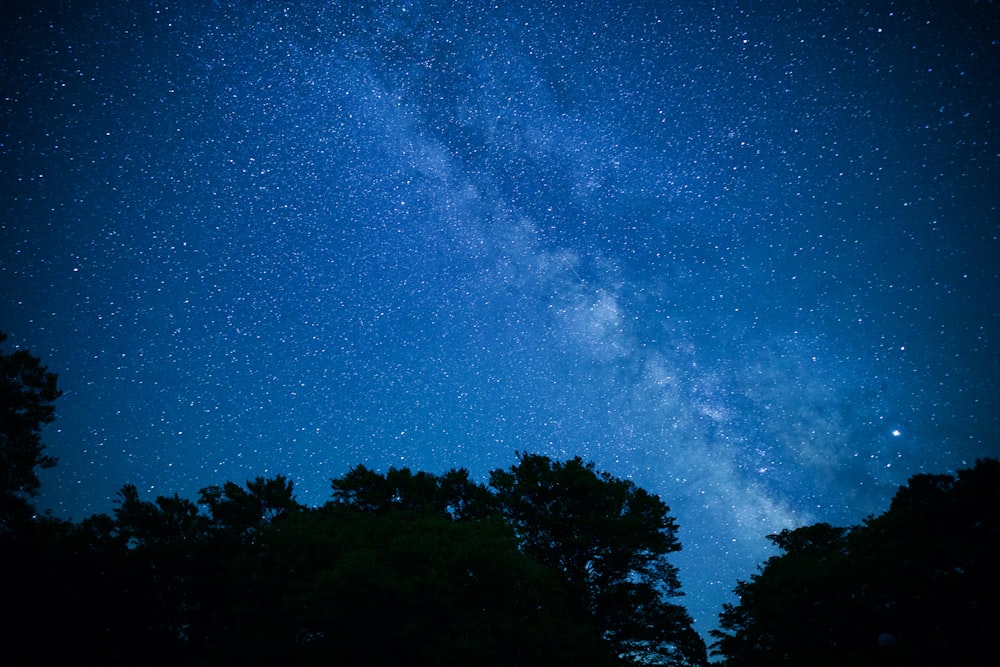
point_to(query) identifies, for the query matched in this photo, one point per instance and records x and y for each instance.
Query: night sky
(746, 255)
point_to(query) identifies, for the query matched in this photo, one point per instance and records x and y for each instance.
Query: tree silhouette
(27, 391)
(553, 564)
(242, 512)
(609, 539)
(359, 587)
(452, 494)
(915, 585)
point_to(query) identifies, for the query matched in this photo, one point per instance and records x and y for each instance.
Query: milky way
(745, 256)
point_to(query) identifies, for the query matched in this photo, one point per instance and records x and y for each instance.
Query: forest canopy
(432, 568)
(548, 563)
(551, 563)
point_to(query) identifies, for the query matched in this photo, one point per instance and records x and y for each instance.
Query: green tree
(610, 540)
(27, 391)
(915, 585)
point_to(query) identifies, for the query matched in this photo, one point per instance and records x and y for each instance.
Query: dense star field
(745, 255)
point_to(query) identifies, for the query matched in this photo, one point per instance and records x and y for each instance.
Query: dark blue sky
(745, 255)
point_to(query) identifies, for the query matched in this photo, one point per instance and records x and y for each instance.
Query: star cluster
(743, 254)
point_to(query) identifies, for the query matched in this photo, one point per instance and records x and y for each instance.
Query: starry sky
(743, 253)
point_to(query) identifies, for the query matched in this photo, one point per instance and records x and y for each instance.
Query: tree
(110, 590)
(915, 585)
(610, 540)
(27, 391)
(244, 511)
(168, 521)
(452, 494)
(344, 585)
(806, 578)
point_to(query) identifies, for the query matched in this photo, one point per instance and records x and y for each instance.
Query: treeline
(553, 563)
(549, 563)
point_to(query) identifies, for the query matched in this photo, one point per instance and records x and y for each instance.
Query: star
(288, 242)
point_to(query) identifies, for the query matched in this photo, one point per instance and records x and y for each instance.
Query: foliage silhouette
(452, 494)
(553, 563)
(430, 572)
(609, 539)
(27, 391)
(242, 513)
(915, 585)
(374, 588)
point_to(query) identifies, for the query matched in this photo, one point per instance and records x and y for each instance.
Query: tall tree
(915, 585)
(610, 540)
(27, 391)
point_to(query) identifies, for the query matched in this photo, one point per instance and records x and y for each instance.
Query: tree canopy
(431, 569)
(27, 391)
(610, 540)
(551, 562)
(917, 584)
